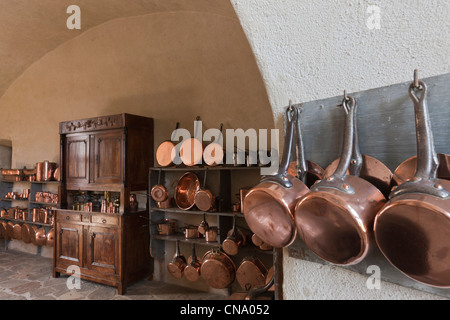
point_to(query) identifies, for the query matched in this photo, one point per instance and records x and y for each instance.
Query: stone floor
(25, 276)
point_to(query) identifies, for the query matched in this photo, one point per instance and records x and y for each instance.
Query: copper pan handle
(300, 150)
(427, 160)
(357, 160)
(291, 114)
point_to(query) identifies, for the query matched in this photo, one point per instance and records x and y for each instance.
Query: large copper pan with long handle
(165, 153)
(335, 220)
(268, 207)
(413, 229)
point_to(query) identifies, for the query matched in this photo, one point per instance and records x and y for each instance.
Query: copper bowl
(185, 191)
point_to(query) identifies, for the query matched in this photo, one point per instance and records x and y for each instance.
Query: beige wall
(171, 66)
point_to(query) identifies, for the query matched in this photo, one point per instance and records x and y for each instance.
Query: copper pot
(412, 229)
(211, 234)
(165, 153)
(33, 231)
(3, 230)
(178, 263)
(191, 232)
(192, 270)
(236, 238)
(165, 204)
(218, 270)
(26, 233)
(203, 226)
(204, 199)
(17, 231)
(251, 273)
(185, 191)
(166, 227)
(269, 206)
(213, 154)
(335, 220)
(51, 238)
(191, 150)
(159, 192)
(40, 236)
(10, 229)
(49, 169)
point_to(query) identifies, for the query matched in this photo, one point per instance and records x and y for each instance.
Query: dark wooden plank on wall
(386, 130)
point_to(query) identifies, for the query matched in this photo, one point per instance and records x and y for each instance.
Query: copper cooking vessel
(335, 220)
(191, 232)
(268, 207)
(218, 269)
(192, 270)
(211, 234)
(51, 238)
(166, 226)
(159, 192)
(178, 263)
(10, 229)
(413, 229)
(165, 154)
(203, 198)
(191, 150)
(185, 191)
(213, 154)
(40, 236)
(3, 230)
(26, 233)
(17, 231)
(33, 231)
(203, 226)
(251, 273)
(236, 238)
(165, 204)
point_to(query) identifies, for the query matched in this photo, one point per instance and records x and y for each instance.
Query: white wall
(308, 50)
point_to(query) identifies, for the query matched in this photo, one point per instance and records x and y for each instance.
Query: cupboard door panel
(77, 159)
(69, 244)
(103, 248)
(109, 157)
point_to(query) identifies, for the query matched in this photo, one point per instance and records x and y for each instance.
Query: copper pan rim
(354, 222)
(185, 191)
(164, 155)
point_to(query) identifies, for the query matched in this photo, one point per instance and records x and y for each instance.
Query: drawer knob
(67, 217)
(104, 220)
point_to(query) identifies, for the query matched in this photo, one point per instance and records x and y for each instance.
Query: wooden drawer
(105, 219)
(64, 216)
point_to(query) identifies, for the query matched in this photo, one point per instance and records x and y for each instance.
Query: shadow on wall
(5, 154)
(171, 66)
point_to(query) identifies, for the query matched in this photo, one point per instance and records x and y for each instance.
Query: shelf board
(11, 200)
(44, 203)
(215, 213)
(180, 237)
(44, 182)
(26, 221)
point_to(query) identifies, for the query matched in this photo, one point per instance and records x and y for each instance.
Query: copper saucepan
(236, 238)
(3, 228)
(218, 270)
(159, 192)
(165, 152)
(203, 226)
(192, 270)
(204, 199)
(307, 171)
(185, 191)
(26, 233)
(269, 206)
(33, 231)
(191, 150)
(41, 237)
(413, 229)
(251, 273)
(335, 220)
(213, 154)
(51, 238)
(17, 231)
(178, 263)
(364, 166)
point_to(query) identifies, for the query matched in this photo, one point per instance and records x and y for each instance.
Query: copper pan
(236, 238)
(40, 236)
(413, 229)
(159, 192)
(3, 230)
(218, 270)
(307, 171)
(178, 263)
(364, 166)
(268, 207)
(165, 154)
(203, 226)
(10, 229)
(251, 273)
(33, 231)
(17, 231)
(185, 191)
(26, 233)
(191, 150)
(192, 270)
(213, 154)
(204, 199)
(406, 169)
(51, 238)
(335, 220)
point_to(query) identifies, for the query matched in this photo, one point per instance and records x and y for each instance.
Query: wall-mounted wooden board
(386, 130)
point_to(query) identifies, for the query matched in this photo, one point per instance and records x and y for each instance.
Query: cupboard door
(77, 159)
(69, 244)
(103, 249)
(109, 157)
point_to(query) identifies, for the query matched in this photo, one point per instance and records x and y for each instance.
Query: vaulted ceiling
(31, 28)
